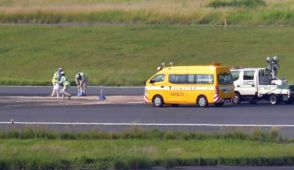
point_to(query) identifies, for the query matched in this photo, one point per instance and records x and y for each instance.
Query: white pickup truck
(255, 84)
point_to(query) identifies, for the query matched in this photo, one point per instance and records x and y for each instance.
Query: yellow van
(200, 85)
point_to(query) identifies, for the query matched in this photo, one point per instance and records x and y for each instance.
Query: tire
(273, 99)
(157, 101)
(202, 101)
(219, 104)
(237, 98)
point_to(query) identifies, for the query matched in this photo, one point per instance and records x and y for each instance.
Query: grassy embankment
(145, 11)
(129, 54)
(41, 149)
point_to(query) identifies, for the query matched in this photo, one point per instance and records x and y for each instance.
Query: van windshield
(225, 78)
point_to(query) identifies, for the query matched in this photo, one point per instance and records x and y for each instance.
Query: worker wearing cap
(82, 83)
(65, 85)
(56, 78)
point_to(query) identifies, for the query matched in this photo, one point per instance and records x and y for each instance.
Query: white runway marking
(149, 124)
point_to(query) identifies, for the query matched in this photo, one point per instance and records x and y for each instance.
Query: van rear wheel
(202, 101)
(157, 101)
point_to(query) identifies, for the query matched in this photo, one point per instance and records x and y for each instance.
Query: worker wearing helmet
(65, 84)
(56, 78)
(82, 83)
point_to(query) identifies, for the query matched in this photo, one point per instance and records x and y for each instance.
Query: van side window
(158, 78)
(178, 78)
(248, 75)
(204, 78)
(191, 78)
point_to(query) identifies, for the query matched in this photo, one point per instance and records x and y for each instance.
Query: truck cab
(255, 84)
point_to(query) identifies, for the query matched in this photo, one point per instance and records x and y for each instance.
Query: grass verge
(254, 12)
(129, 54)
(135, 149)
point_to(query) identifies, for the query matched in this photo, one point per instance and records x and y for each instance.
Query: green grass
(129, 54)
(236, 3)
(42, 149)
(148, 11)
(141, 134)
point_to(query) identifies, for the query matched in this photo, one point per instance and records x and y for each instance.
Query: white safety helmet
(276, 58)
(268, 59)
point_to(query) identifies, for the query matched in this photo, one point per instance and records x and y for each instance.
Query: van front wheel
(202, 101)
(157, 101)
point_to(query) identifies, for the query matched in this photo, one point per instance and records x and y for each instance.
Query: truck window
(225, 78)
(264, 77)
(235, 75)
(157, 78)
(248, 75)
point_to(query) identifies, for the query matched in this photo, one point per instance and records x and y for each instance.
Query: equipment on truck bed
(255, 84)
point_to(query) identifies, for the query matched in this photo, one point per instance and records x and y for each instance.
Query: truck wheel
(202, 101)
(273, 99)
(237, 98)
(157, 101)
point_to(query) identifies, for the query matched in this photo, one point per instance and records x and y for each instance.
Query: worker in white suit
(82, 83)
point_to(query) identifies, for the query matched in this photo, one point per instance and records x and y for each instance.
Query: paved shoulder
(92, 90)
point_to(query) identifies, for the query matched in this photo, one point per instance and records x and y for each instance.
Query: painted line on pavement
(147, 124)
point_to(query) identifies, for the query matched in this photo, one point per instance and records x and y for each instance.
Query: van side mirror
(151, 81)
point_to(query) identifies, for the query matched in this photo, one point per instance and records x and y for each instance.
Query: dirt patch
(53, 101)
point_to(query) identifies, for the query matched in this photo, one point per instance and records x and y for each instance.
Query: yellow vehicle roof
(188, 69)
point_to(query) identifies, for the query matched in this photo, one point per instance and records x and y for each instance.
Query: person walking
(65, 84)
(82, 83)
(55, 79)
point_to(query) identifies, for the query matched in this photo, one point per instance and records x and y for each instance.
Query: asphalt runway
(119, 117)
(187, 118)
(114, 117)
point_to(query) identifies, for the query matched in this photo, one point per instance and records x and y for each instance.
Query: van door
(248, 84)
(178, 88)
(156, 86)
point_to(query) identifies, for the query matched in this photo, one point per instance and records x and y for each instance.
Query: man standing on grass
(56, 78)
(82, 83)
(64, 83)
